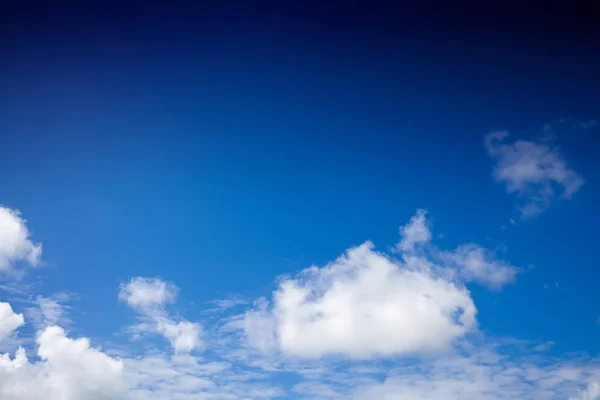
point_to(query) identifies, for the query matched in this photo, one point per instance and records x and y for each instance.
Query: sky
(332, 201)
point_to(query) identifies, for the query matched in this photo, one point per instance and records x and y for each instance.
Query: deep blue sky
(221, 146)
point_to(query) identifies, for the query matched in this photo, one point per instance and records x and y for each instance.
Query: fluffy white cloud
(474, 263)
(7, 364)
(184, 335)
(9, 320)
(147, 292)
(415, 232)
(15, 244)
(148, 296)
(364, 305)
(533, 170)
(68, 370)
(369, 304)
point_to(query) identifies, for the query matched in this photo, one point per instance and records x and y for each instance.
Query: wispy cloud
(533, 170)
(544, 346)
(227, 303)
(48, 311)
(476, 264)
(148, 296)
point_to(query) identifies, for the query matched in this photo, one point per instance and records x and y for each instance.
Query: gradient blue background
(218, 147)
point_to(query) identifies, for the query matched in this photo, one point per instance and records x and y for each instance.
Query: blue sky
(179, 169)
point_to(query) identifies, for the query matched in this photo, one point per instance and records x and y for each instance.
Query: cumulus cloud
(69, 369)
(148, 296)
(16, 246)
(9, 321)
(364, 305)
(368, 304)
(146, 293)
(534, 171)
(184, 336)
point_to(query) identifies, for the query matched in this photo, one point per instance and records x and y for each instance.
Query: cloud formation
(368, 304)
(16, 246)
(415, 232)
(148, 296)
(68, 370)
(486, 374)
(49, 311)
(9, 320)
(371, 311)
(365, 305)
(476, 264)
(146, 293)
(534, 171)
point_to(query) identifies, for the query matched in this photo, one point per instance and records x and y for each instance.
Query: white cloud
(148, 296)
(7, 364)
(260, 327)
(476, 264)
(68, 370)
(365, 305)
(415, 232)
(484, 376)
(184, 335)
(147, 292)
(158, 377)
(534, 171)
(15, 244)
(9, 321)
